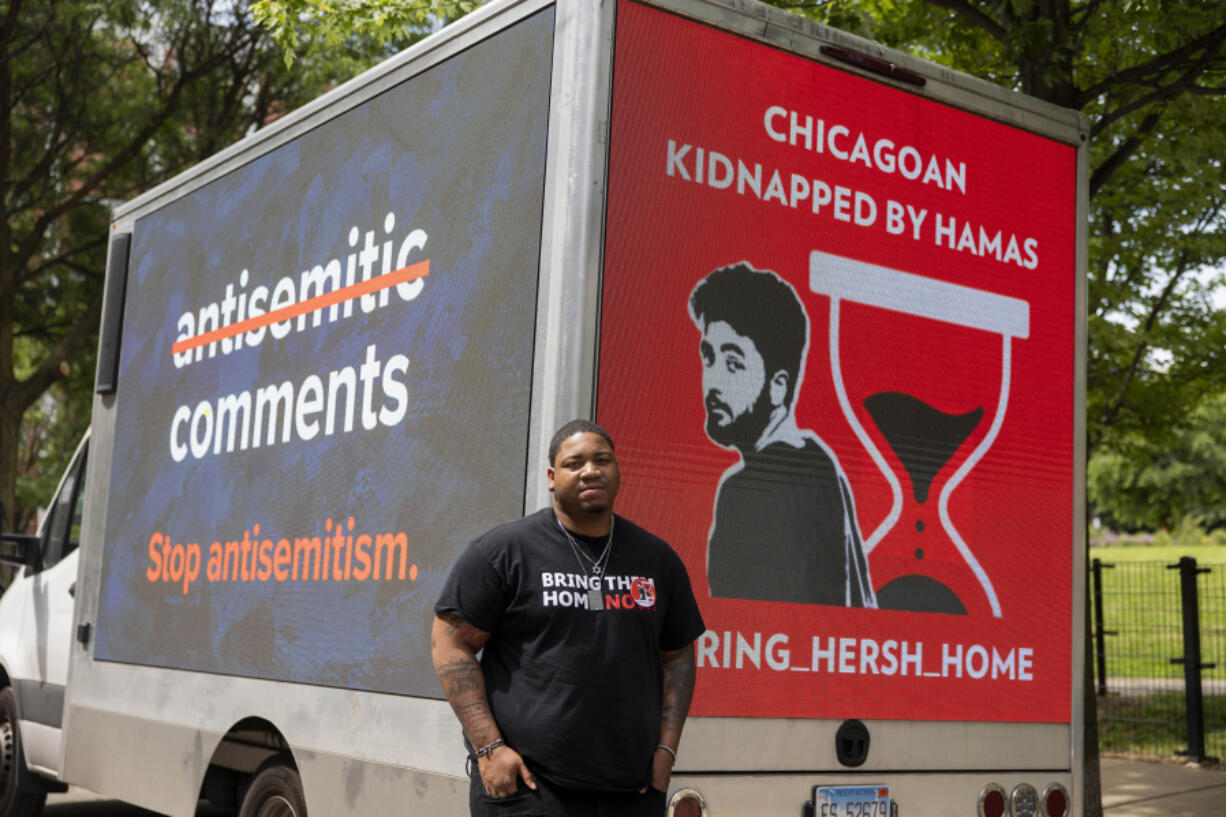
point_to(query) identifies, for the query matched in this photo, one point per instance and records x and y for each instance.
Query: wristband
(485, 750)
(670, 751)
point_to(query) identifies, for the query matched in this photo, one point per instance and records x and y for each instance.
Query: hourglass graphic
(926, 442)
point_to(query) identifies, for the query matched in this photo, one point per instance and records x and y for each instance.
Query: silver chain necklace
(595, 601)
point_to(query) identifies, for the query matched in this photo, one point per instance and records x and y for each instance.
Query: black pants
(552, 801)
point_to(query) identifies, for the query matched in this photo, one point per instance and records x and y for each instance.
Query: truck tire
(276, 791)
(16, 800)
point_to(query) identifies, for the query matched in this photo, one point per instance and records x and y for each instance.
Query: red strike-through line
(403, 275)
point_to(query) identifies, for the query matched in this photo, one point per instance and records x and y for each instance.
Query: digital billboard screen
(324, 387)
(853, 309)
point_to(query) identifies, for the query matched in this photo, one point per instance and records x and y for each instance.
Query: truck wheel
(275, 791)
(14, 801)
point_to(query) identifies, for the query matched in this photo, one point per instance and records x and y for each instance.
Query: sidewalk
(1134, 788)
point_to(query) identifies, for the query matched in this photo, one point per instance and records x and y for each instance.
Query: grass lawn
(1154, 724)
(1168, 554)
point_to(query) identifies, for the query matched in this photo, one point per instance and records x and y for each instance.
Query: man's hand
(661, 770)
(501, 770)
(455, 644)
(678, 667)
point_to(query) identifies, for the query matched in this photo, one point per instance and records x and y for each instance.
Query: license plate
(851, 801)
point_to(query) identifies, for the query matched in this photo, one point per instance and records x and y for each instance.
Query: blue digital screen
(325, 381)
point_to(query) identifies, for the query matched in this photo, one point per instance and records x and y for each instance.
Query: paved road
(1130, 789)
(81, 803)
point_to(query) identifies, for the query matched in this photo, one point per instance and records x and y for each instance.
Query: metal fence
(1159, 664)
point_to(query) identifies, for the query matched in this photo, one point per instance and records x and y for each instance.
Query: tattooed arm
(678, 668)
(454, 644)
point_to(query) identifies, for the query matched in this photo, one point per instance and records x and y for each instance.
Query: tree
(1145, 484)
(322, 24)
(100, 101)
(50, 432)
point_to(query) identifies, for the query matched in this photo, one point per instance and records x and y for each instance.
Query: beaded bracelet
(485, 750)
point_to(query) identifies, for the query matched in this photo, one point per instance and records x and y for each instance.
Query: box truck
(828, 297)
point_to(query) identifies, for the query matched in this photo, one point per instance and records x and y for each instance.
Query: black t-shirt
(785, 530)
(574, 690)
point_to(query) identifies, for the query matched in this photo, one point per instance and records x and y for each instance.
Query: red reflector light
(688, 807)
(1055, 801)
(992, 802)
(687, 803)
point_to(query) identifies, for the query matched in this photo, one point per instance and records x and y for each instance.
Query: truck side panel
(324, 386)
(158, 744)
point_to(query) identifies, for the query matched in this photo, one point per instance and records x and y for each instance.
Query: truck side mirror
(20, 550)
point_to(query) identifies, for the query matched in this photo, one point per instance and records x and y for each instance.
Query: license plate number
(851, 801)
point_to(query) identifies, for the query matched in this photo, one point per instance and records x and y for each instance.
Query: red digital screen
(837, 356)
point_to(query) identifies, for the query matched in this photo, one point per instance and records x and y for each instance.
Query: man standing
(784, 526)
(586, 624)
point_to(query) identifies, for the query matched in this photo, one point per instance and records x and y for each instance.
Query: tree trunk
(10, 427)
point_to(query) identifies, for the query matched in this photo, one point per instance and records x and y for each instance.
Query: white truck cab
(36, 617)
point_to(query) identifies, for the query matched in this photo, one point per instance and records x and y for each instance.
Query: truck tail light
(992, 801)
(687, 803)
(1055, 801)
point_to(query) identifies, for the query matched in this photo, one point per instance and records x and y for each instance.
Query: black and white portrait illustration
(783, 526)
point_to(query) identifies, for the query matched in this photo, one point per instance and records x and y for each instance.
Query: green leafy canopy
(332, 23)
